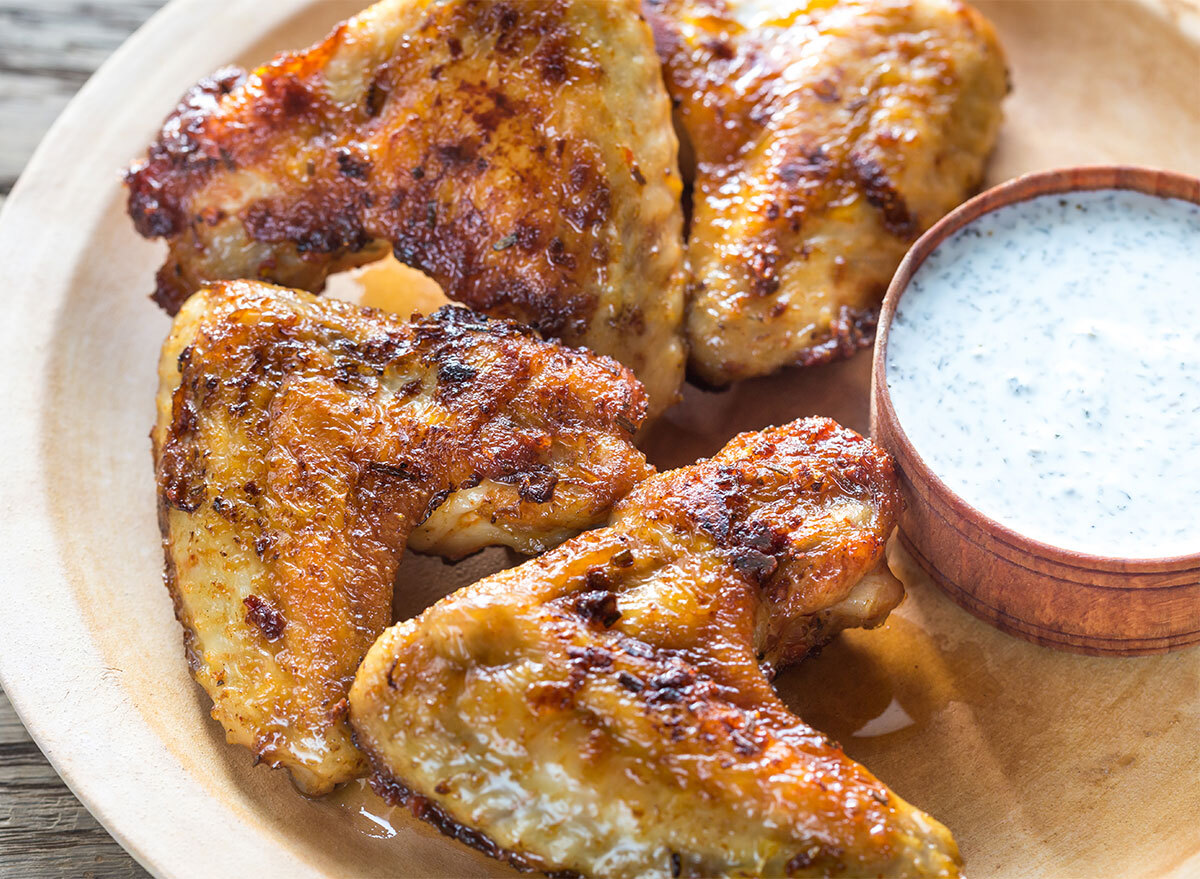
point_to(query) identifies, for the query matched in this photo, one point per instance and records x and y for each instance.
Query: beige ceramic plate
(1043, 763)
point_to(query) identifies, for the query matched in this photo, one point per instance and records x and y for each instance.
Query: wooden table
(48, 49)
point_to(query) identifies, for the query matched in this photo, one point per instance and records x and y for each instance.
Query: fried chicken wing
(520, 153)
(298, 445)
(827, 135)
(605, 708)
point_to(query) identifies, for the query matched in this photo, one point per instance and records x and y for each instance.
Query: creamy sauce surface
(1045, 363)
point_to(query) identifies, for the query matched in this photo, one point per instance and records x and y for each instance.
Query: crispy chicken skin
(827, 135)
(605, 709)
(298, 444)
(520, 153)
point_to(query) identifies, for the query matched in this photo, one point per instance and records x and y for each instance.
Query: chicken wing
(298, 444)
(826, 135)
(604, 709)
(520, 153)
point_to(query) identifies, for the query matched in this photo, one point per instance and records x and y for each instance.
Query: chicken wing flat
(827, 134)
(520, 153)
(298, 445)
(605, 708)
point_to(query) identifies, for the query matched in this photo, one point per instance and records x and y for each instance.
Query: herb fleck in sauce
(1045, 363)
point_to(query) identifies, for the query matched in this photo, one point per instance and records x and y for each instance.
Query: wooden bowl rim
(1151, 181)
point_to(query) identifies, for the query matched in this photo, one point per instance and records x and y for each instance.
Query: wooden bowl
(1046, 594)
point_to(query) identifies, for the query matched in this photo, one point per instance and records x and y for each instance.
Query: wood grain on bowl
(1049, 595)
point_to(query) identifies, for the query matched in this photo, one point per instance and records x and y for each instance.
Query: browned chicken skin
(603, 709)
(301, 441)
(520, 153)
(826, 135)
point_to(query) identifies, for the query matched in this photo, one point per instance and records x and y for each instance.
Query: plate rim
(149, 832)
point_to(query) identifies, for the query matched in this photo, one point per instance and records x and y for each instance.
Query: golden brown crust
(603, 709)
(762, 502)
(299, 444)
(393, 792)
(826, 136)
(521, 154)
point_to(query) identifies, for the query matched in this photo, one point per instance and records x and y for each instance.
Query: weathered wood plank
(48, 49)
(44, 830)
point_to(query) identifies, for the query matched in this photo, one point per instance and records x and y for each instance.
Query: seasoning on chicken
(826, 137)
(519, 153)
(605, 709)
(301, 441)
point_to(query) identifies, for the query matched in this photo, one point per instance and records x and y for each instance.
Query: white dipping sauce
(1045, 363)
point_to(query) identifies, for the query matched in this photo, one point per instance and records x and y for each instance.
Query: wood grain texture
(48, 49)
(44, 830)
(1054, 597)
